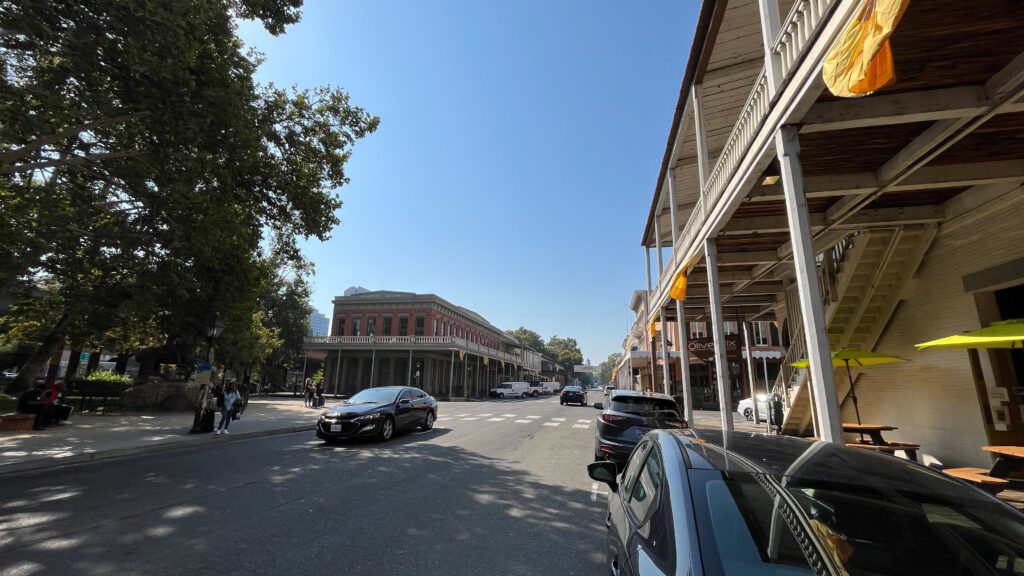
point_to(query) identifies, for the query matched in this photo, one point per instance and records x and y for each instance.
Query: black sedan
(707, 502)
(627, 417)
(573, 395)
(378, 412)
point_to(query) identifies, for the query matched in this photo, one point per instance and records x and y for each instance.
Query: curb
(117, 453)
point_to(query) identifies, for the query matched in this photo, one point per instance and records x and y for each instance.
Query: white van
(550, 387)
(510, 390)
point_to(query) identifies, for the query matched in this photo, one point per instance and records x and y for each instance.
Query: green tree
(529, 338)
(142, 168)
(605, 369)
(565, 350)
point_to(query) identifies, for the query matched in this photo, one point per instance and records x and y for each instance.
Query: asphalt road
(497, 487)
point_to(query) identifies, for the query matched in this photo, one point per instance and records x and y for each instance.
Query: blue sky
(518, 149)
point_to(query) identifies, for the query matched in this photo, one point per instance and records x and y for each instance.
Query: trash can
(206, 420)
(775, 413)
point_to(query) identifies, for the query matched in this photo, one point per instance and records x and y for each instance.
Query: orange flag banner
(678, 290)
(860, 62)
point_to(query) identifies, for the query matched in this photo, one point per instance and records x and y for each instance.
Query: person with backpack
(309, 392)
(227, 409)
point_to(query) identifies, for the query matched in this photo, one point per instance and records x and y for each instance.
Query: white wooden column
(451, 377)
(770, 26)
(703, 164)
(337, 373)
(826, 405)
(666, 381)
(718, 331)
(657, 239)
(647, 265)
(408, 371)
(681, 327)
(750, 371)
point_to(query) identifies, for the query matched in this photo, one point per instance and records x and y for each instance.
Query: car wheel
(748, 413)
(584, 403)
(561, 402)
(524, 396)
(501, 395)
(386, 430)
(428, 421)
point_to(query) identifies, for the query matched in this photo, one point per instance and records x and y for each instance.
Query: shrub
(104, 383)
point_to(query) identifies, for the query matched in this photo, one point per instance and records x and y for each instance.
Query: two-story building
(385, 338)
(802, 183)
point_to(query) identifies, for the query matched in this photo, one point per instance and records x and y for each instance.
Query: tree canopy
(565, 350)
(529, 338)
(605, 369)
(147, 183)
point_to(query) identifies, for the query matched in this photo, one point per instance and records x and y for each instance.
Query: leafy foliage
(529, 338)
(605, 369)
(565, 350)
(147, 183)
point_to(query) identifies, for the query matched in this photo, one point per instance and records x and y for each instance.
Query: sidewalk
(91, 437)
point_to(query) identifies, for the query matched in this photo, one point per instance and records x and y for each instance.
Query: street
(497, 487)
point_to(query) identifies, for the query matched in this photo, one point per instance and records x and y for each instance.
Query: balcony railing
(411, 341)
(798, 30)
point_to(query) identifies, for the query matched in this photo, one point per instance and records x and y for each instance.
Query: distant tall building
(319, 325)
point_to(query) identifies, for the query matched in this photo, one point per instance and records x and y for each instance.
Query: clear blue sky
(518, 150)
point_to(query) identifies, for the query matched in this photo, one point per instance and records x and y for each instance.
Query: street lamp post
(212, 332)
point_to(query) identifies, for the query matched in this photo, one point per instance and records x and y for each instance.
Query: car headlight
(367, 418)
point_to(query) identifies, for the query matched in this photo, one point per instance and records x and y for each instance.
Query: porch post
(657, 239)
(750, 370)
(703, 162)
(373, 365)
(451, 377)
(337, 373)
(770, 26)
(826, 405)
(767, 387)
(684, 353)
(666, 382)
(408, 372)
(718, 331)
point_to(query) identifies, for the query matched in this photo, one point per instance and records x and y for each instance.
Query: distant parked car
(573, 395)
(536, 389)
(378, 412)
(629, 416)
(510, 390)
(708, 502)
(746, 409)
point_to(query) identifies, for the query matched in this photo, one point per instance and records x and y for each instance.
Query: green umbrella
(847, 356)
(1004, 334)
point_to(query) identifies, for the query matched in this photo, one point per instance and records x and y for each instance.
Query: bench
(977, 476)
(16, 422)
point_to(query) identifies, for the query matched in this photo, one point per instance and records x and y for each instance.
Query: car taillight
(611, 418)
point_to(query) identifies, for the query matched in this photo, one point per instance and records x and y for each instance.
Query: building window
(371, 325)
(387, 325)
(355, 325)
(339, 326)
(698, 330)
(434, 333)
(420, 324)
(403, 325)
(762, 334)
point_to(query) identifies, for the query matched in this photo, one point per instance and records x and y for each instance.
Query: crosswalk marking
(495, 419)
(552, 423)
(532, 417)
(523, 421)
(482, 415)
(443, 419)
(558, 419)
(584, 420)
(470, 418)
(509, 415)
(581, 425)
(459, 415)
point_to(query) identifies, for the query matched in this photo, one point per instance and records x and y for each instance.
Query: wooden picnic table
(890, 448)
(1011, 451)
(1009, 463)
(874, 431)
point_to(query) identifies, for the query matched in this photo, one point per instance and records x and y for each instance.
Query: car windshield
(851, 529)
(572, 388)
(643, 405)
(374, 396)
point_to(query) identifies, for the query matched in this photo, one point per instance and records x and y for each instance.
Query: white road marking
(495, 419)
(594, 492)
(470, 418)
(584, 420)
(532, 417)
(482, 415)
(558, 419)
(443, 419)
(459, 415)
(581, 425)
(523, 421)
(509, 415)
(552, 423)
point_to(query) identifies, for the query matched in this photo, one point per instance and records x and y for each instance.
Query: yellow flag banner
(462, 355)
(678, 290)
(654, 329)
(486, 360)
(860, 62)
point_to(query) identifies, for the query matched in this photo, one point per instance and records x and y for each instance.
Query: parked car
(550, 387)
(746, 409)
(708, 502)
(510, 390)
(378, 412)
(573, 395)
(536, 389)
(628, 416)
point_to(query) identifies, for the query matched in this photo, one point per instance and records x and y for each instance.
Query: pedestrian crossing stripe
(585, 421)
(558, 419)
(581, 425)
(470, 418)
(552, 423)
(509, 415)
(495, 419)
(531, 417)
(523, 421)
(482, 415)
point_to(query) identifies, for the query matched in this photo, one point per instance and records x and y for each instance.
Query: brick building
(385, 338)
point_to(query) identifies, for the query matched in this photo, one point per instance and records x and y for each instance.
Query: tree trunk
(73, 362)
(121, 364)
(94, 360)
(39, 358)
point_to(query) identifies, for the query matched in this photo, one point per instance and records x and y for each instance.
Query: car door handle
(608, 520)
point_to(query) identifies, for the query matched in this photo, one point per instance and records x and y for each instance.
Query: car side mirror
(604, 471)
(598, 406)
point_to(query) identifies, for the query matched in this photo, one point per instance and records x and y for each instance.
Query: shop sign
(704, 348)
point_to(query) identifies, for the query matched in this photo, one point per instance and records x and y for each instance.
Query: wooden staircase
(862, 281)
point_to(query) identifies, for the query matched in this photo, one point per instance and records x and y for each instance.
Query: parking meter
(775, 413)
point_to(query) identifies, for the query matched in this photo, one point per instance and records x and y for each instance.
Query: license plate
(335, 427)
(640, 432)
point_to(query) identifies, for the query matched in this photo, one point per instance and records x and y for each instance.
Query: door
(404, 411)
(620, 529)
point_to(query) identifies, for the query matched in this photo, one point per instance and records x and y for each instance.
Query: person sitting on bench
(32, 402)
(55, 398)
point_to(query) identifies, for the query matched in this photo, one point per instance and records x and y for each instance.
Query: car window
(405, 394)
(633, 465)
(644, 405)
(419, 394)
(643, 496)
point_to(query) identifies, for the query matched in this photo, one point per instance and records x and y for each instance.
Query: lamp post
(212, 332)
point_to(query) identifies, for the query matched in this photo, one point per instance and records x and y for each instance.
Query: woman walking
(230, 395)
(309, 392)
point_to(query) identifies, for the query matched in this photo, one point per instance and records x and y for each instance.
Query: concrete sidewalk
(92, 437)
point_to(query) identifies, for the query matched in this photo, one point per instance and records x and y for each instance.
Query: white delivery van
(550, 387)
(510, 390)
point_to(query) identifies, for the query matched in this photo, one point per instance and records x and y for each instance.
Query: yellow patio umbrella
(847, 356)
(1004, 334)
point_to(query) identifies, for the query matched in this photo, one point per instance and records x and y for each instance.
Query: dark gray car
(703, 502)
(628, 416)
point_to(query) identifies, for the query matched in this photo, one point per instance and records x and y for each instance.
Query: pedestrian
(309, 392)
(230, 395)
(32, 402)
